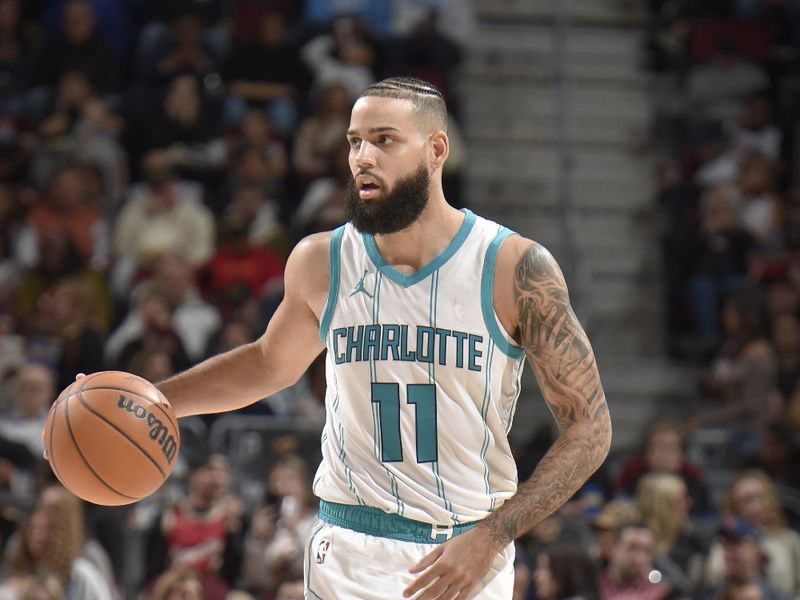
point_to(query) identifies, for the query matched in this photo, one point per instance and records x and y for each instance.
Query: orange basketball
(112, 438)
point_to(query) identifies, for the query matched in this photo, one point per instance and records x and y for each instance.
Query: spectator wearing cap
(745, 560)
(608, 523)
(630, 572)
(202, 532)
(752, 500)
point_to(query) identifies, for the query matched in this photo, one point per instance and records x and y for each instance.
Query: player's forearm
(222, 383)
(577, 453)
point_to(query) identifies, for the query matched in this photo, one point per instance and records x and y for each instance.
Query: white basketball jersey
(422, 381)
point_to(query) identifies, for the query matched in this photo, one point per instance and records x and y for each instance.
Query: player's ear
(439, 149)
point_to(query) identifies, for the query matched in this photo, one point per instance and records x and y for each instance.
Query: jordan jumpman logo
(360, 287)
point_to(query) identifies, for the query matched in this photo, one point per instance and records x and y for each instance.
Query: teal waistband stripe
(373, 521)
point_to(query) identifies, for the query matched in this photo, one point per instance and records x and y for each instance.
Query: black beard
(398, 209)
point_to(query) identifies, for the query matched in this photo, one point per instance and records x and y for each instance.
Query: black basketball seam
(122, 433)
(53, 457)
(86, 378)
(54, 409)
(152, 403)
(86, 462)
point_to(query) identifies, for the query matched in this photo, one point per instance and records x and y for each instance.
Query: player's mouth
(368, 188)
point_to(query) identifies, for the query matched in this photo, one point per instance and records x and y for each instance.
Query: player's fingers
(463, 593)
(421, 582)
(427, 560)
(453, 592)
(44, 455)
(80, 376)
(438, 590)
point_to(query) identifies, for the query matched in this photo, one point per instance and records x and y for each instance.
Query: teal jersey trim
(375, 522)
(408, 280)
(333, 286)
(487, 297)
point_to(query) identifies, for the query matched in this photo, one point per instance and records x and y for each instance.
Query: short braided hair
(427, 99)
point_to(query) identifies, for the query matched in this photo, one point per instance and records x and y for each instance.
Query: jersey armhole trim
(500, 337)
(333, 286)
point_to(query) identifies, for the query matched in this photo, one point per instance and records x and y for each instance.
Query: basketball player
(427, 314)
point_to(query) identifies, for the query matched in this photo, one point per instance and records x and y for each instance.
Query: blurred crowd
(728, 73)
(158, 161)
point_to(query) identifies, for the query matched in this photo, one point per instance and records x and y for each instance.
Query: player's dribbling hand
(44, 452)
(453, 569)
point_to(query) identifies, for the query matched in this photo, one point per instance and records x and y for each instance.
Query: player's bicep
(291, 341)
(554, 341)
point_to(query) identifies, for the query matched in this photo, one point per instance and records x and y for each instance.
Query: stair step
(533, 62)
(581, 40)
(603, 100)
(509, 88)
(492, 190)
(602, 105)
(541, 129)
(512, 157)
(619, 14)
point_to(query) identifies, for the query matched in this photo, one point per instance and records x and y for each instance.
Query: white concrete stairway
(509, 103)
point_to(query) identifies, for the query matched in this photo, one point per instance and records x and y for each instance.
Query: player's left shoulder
(518, 255)
(513, 250)
(517, 250)
(519, 261)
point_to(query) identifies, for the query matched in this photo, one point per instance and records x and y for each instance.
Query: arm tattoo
(565, 368)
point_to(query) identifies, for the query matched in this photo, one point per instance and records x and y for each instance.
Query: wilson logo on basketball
(158, 431)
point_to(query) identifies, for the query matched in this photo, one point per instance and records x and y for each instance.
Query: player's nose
(365, 158)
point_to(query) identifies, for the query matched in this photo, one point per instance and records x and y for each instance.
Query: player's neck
(422, 241)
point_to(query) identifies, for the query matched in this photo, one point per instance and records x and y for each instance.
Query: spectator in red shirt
(237, 262)
(203, 532)
(664, 453)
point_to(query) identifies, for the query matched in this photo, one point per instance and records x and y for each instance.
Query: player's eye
(355, 143)
(383, 140)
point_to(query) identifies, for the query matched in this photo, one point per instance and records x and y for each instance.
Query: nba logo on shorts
(322, 550)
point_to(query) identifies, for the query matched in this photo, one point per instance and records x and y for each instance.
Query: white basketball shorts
(344, 564)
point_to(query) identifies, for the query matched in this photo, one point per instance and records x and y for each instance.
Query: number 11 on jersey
(423, 397)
